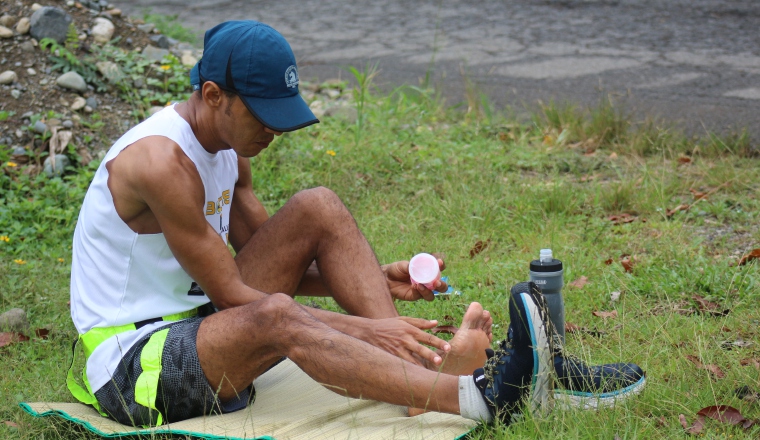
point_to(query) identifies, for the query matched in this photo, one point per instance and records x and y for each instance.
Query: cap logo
(291, 77)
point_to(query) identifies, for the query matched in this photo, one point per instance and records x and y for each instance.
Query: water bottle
(546, 272)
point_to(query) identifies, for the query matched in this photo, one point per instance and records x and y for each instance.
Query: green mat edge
(65, 415)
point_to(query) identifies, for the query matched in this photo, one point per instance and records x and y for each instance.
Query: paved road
(693, 62)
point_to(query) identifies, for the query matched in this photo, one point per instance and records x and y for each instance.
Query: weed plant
(424, 178)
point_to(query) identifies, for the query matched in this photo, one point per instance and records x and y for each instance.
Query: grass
(419, 177)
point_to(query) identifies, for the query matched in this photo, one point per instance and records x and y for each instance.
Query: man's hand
(403, 336)
(401, 285)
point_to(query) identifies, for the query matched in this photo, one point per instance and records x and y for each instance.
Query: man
(150, 257)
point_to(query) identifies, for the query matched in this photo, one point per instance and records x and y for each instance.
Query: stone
(50, 22)
(153, 110)
(332, 93)
(31, 72)
(16, 93)
(36, 7)
(40, 127)
(61, 162)
(78, 103)
(102, 30)
(8, 77)
(88, 109)
(23, 26)
(5, 32)
(92, 102)
(129, 41)
(114, 12)
(14, 320)
(160, 40)
(154, 54)
(72, 80)
(44, 81)
(188, 60)
(344, 113)
(67, 124)
(147, 27)
(110, 71)
(138, 83)
(7, 20)
(27, 46)
(18, 151)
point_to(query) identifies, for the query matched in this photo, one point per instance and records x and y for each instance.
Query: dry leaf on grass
(42, 333)
(739, 343)
(605, 315)
(10, 424)
(479, 247)
(12, 338)
(579, 283)
(753, 362)
(712, 368)
(684, 160)
(614, 296)
(698, 195)
(628, 262)
(681, 207)
(753, 255)
(450, 329)
(721, 413)
(622, 219)
(707, 307)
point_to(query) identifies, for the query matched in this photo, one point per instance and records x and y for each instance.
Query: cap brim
(281, 114)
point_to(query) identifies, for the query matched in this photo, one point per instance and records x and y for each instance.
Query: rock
(8, 77)
(23, 26)
(103, 30)
(61, 162)
(332, 93)
(16, 94)
(14, 320)
(160, 40)
(147, 27)
(92, 102)
(110, 71)
(27, 115)
(114, 12)
(19, 151)
(67, 124)
(7, 20)
(188, 60)
(88, 109)
(40, 127)
(129, 41)
(154, 54)
(345, 113)
(78, 103)
(138, 83)
(5, 32)
(72, 80)
(26, 46)
(50, 22)
(31, 72)
(36, 7)
(153, 110)
(44, 81)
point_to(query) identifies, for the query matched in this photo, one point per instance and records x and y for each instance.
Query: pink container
(423, 269)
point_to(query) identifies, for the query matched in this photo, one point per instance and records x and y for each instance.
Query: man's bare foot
(468, 346)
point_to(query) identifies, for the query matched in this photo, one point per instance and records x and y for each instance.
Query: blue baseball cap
(255, 62)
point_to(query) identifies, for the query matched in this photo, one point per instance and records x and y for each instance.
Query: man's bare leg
(468, 346)
(314, 225)
(237, 345)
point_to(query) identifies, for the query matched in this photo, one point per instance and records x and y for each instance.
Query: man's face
(242, 132)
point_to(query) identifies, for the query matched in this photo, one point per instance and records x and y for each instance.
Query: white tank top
(120, 277)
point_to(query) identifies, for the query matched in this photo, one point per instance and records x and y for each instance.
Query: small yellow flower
(61, 260)
(166, 67)
(330, 152)
(11, 164)
(19, 261)
(5, 238)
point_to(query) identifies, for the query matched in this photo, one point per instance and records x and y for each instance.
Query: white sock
(472, 404)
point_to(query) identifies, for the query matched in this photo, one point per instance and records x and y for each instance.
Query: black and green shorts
(183, 392)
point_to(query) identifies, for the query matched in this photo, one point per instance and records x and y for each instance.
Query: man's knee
(277, 313)
(319, 202)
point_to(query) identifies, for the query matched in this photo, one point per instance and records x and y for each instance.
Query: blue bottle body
(547, 273)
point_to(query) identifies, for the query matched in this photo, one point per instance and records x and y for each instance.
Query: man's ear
(211, 94)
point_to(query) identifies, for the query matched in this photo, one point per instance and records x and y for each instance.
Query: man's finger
(420, 323)
(425, 293)
(433, 341)
(428, 354)
(441, 286)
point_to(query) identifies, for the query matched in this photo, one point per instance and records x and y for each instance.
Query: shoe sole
(540, 398)
(589, 401)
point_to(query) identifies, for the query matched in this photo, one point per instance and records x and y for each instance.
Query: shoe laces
(497, 358)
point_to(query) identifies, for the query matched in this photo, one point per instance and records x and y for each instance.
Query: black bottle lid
(553, 265)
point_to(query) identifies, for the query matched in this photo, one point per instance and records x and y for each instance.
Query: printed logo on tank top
(216, 207)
